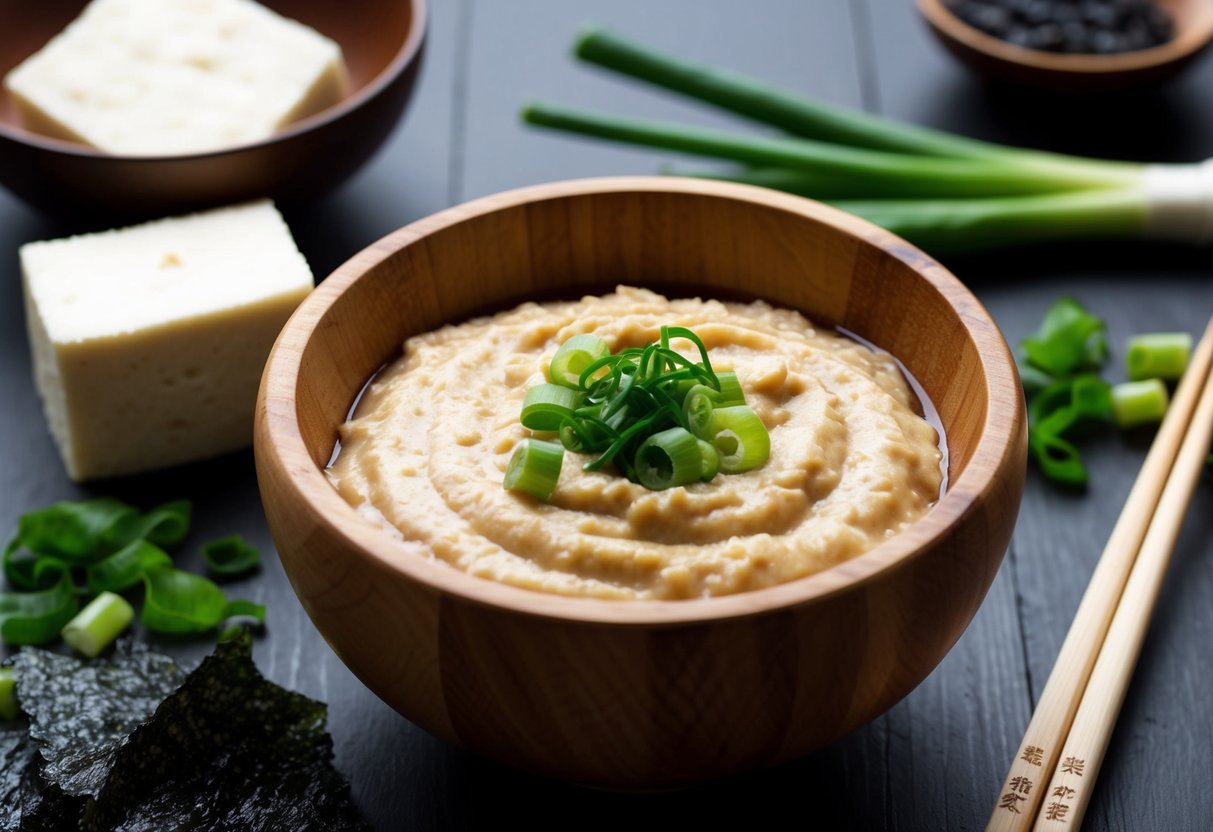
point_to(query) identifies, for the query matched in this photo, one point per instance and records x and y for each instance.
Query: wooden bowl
(640, 694)
(382, 42)
(997, 59)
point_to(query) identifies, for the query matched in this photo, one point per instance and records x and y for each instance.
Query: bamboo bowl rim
(1190, 37)
(281, 441)
(401, 61)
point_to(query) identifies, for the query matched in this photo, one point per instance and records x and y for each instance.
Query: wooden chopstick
(1027, 783)
(1083, 751)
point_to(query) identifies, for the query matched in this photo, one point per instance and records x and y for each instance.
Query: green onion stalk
(941, 191)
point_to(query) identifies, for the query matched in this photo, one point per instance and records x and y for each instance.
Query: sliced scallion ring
(730, 389)
(534, 468)
(97, 625)
(710, 461)
(740, 438)
(1138, 403)
(9, 709)
(1158, 355)
(697, 408)
(546, 406)
(574, 356)
(668, 459)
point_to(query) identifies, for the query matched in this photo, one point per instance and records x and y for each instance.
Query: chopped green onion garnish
(1058, 459)
(534, 468)
(710, 459)
(125, 567)
(730, 389)
(9, 709)
(97, 625)
(547, 406)
(36, 617)
(741, 439)
(574, 356)
(697, 409)
(1139, 403)
(247, 610)
(668, 459)
(615, 406)
(230, 556)
(1158, 355)
(1070, 339)
(180, 602)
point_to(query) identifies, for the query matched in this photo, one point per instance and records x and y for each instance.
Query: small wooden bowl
(640, 694)
(997, 59)
(382, 42)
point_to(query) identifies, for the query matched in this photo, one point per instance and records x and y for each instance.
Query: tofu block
(169, 77)
(148, 342)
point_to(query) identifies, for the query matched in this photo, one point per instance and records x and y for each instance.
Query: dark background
(937, 759)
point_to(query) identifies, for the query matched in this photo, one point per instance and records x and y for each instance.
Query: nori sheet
(226, 750)
(80, 712)
(27, 803)
(229, 750)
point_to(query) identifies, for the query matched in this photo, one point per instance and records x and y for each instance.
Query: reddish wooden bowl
(640, 694)
(382, 41)
(1193, 21)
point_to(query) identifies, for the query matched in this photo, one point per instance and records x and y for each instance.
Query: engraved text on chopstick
(1033, 754)
(1010, 801)
(1057, 811)
(1073, 765)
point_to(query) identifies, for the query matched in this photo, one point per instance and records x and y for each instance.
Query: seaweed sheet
(225, 749)
(229, 750)
(27, 802)
(80, 712)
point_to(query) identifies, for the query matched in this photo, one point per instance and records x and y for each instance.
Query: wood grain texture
(935, 760)
(1040, 749)
(1081, 754)
(1192, 19)
(646, 694)
(382, 41)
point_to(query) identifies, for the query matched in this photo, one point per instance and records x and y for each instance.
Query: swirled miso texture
(851, 462)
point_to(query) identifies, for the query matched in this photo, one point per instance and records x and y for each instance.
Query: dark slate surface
(935, 761)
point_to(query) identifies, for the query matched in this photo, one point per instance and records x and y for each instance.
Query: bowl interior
(685, 237)
(371, 34)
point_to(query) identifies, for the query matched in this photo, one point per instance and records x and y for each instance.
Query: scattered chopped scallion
(574, 355)
(125, 568)
(534, 468)
(106, 546)
(710, 460)
(1070, 340)
(9, 709)
(741, 439)
(697, 408)
(97, 625)
(547, 406)
(1158, 355)
(648, 411)
(730, 389)
(36, 617)
(668, 459)
(1139, 403)
(230, 556)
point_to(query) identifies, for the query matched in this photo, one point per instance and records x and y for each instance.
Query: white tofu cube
(167, 77)
(148, 342)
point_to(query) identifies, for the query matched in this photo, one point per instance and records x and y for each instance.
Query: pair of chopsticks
(1053, 774)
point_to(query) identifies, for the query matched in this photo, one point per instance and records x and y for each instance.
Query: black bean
(1047, 36)
(1075, 26)
(994, 20)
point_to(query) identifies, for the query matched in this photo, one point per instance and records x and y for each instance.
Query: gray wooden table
(936, 760)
